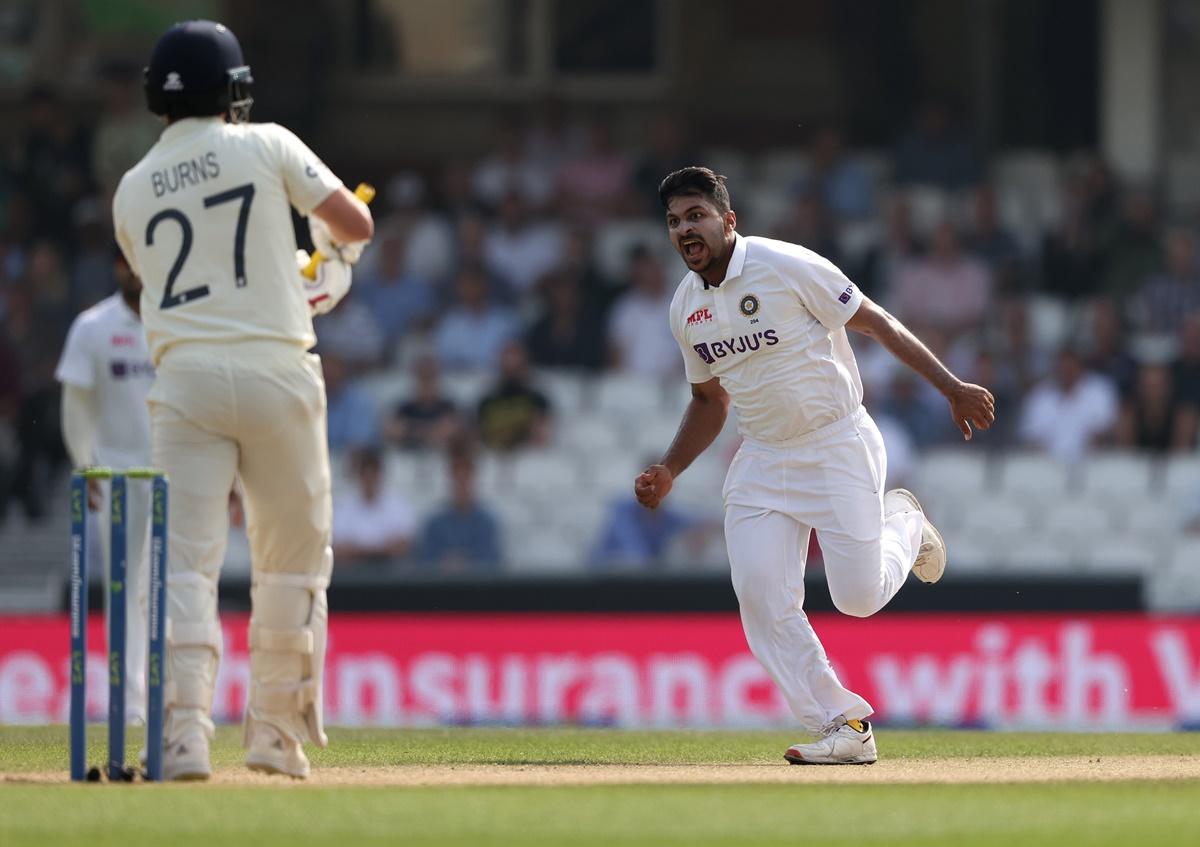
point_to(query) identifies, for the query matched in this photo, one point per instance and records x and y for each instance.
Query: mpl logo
(699, 316)
(122, 341)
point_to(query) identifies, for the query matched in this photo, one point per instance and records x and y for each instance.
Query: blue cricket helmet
(197, 69)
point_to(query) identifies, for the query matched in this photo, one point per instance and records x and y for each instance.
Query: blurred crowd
(1073, 296)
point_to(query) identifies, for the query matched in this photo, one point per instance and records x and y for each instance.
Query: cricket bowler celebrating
(205, 221)
(762, 324)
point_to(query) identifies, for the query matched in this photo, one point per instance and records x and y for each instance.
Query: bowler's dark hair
(697, 181)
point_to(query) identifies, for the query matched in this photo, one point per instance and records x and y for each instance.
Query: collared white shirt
(773, 333)
(1065, 423)
(372, 523)
(106, 354)
(205, 221)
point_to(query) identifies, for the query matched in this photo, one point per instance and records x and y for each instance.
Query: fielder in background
(762, 324)
(205, 221)
(106, 374)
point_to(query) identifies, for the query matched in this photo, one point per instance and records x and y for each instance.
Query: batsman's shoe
(931, 558)
(842, 742)
(187, 758)
(273, 752)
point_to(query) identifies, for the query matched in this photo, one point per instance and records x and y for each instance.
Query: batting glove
(330, 286)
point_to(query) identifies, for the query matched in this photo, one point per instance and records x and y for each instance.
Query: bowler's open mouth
(693, 248)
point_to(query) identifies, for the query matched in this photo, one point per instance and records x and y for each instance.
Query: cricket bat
(365, 193)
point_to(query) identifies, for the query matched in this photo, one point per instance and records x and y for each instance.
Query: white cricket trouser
(255, 410)
(831, 481)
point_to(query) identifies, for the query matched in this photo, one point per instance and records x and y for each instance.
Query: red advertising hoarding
(1089, 671)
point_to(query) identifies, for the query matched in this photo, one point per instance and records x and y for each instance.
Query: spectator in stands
(597, 183)
(1025, 358)
(552, 136)
(1186, 377)
(579, 261)
(570, 331)
(463, 535)
(936, 152)
(10, 415)
(639, 332)
(352, 415)
(668, 152)
(91, 274)
(470, 238)
(513, 413)
(428, 420)
(125, 129)
(1006, 386)
(1134, 250)
(1071, 412)
(511, 169)
(49, 289)
(396, 298)
(519, 249)
(475, 330)
(993, 244)
(841, 183)
(921, 415)
(53, 164)
(34, 329)
(426, 236)
(1070, 264)
(1164, 300)
(808, 224)
(372, 525)
(900, 245)
(1108, 345)
(633, 537)
(947, 289)
(351, 333)
(1100, 196)
(456, 197)
(1150, 414)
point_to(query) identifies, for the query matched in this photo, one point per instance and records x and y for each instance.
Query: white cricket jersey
(106, 353)
(204, 219)
(773, 333)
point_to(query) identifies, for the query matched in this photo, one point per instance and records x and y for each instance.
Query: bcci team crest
(749, 305)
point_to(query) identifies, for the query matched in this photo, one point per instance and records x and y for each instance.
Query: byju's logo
(734, 346)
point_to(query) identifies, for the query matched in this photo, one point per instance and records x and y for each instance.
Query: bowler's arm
(702, 423)
(969, 404)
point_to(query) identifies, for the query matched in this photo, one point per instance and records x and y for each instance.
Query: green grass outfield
(812, 810)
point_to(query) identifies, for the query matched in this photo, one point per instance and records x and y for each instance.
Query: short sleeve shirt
(205, 221)
(773, 332)
(106, 354)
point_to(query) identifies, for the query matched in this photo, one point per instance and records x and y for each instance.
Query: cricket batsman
(205, 221)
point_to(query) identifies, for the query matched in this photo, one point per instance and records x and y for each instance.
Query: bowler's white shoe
(931, 558)
(273, 752)
(187, 758)
(842, 742)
